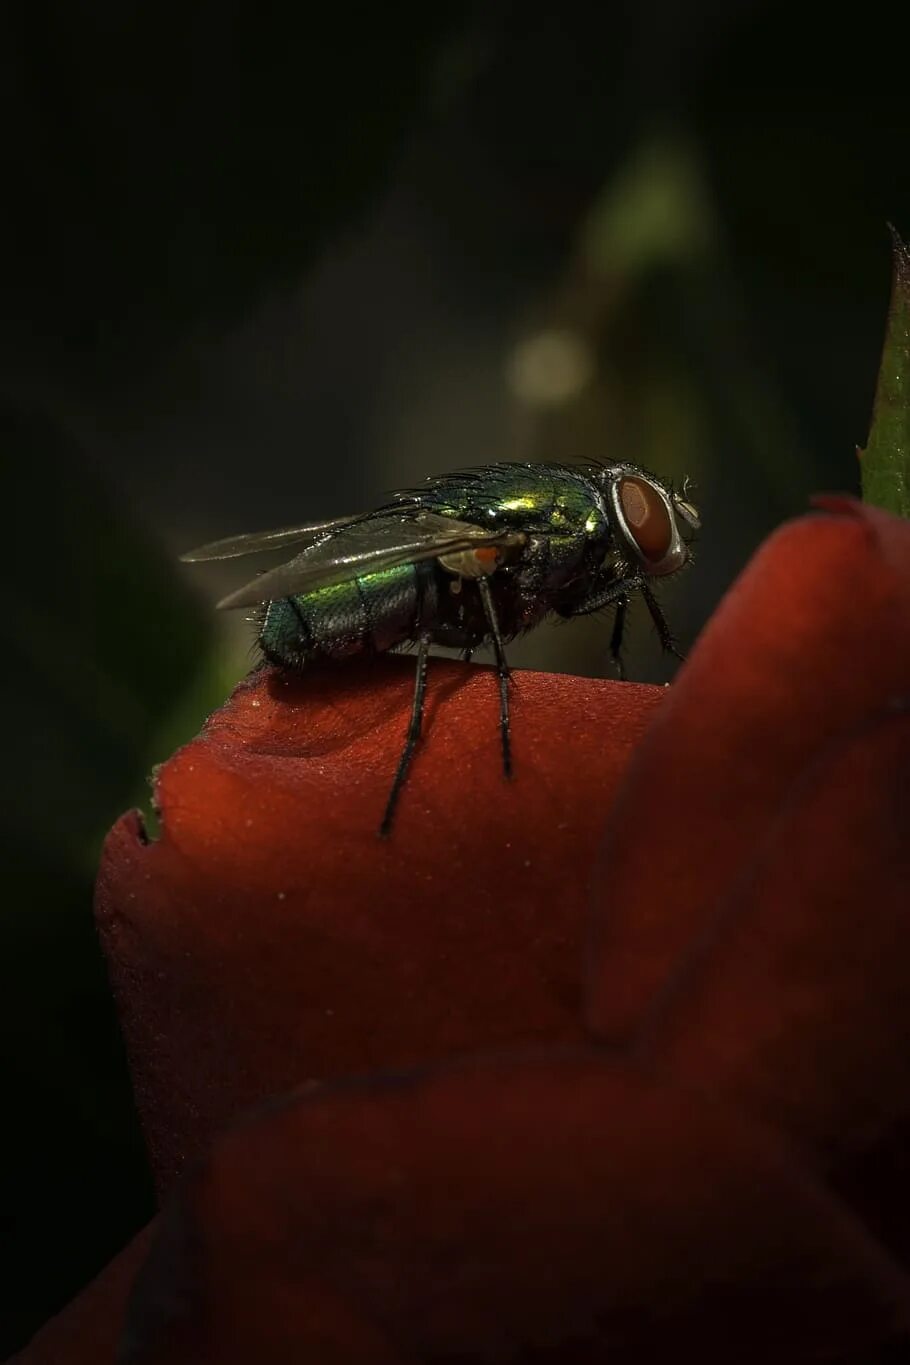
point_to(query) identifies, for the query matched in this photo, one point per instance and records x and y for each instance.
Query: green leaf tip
(885, 461)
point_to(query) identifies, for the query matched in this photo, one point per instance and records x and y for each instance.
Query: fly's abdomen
(367, 614)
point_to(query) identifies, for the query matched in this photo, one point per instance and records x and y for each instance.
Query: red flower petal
(795, 999)
(270, 938)
(811, 640)
(550, 1208)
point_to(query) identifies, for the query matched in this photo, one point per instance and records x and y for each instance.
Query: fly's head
(652, 524)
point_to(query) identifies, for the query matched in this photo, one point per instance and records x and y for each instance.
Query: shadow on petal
(795, 1000)
(542, 1208)
(88, 1330)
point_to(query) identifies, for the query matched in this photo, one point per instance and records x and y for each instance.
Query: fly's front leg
(619, 594)
(619, 625)
(665, 635)
(413, 735)
(486, 597)
(615, 595)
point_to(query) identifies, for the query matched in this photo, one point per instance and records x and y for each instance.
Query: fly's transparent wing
(232, 547)
(367, 546)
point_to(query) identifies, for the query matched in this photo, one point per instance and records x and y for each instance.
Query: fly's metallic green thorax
(546, 499)
(478, 555)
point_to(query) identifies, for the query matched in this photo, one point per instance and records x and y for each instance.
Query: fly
(473, 557)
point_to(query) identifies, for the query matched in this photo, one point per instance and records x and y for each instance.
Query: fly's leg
(620, 593)
(614, 595)
(619, 625)
(413, 735)
(503, 670)
(665, 635)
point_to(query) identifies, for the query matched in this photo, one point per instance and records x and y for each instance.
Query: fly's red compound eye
(647, 518)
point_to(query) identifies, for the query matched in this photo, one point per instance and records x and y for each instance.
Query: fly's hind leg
(502, 669)
(413, 735)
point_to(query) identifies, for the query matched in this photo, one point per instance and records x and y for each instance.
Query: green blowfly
(480, 555)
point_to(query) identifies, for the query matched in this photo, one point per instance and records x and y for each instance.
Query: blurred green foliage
(886, 458)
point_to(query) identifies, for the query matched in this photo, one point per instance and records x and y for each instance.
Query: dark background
(261, 265)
